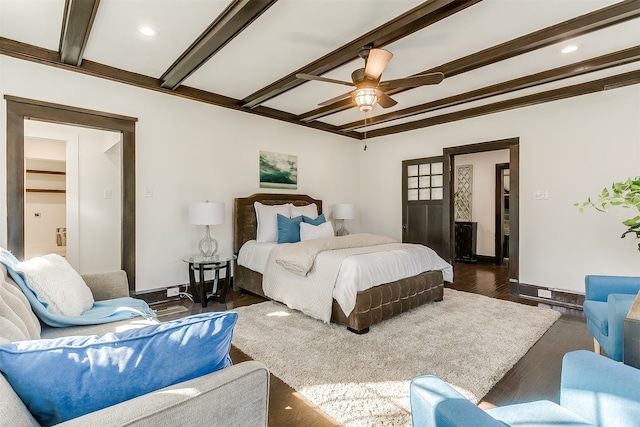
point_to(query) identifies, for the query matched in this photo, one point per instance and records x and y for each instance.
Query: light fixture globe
(366, 98)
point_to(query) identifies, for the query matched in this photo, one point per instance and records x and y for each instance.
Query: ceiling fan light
(366, 99)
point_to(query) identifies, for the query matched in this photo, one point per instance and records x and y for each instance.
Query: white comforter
(335, 270)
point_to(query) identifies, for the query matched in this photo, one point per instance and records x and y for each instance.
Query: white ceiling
(293, 33)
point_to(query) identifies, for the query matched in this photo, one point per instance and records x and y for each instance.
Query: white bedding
(254, 255)
(338, 274)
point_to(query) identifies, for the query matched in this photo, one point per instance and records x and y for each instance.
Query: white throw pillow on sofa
(57, 284)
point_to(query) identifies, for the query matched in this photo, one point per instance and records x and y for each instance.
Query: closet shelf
(43, 190)
(46, 172)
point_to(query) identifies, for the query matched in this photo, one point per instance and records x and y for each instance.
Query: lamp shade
(206, 213)
(344, 211)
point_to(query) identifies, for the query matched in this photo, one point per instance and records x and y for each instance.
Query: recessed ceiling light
(148, 31)
(569, 49)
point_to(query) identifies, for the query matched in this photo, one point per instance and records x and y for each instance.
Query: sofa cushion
(596, 312)
(57, 285)
(61, 379)
(538, 413)
(17, 321)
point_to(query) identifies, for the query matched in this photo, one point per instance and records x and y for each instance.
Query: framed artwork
(278, 171)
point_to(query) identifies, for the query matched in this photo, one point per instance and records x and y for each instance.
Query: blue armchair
(594, 391)
(607, 302)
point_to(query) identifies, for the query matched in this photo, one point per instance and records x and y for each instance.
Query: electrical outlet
(173, 292)
(544, 293)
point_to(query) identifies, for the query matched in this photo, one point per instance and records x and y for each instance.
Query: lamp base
(208, 246)
(342, 231)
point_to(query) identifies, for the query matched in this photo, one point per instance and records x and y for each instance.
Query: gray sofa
(234, 396)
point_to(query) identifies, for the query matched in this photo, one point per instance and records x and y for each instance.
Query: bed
(371, 306)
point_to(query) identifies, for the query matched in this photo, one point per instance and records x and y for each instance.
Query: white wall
(483, 204)
(190, 151)
(187, 151)
(571, 148)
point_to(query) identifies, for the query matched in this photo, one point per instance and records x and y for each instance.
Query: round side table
(215, 263)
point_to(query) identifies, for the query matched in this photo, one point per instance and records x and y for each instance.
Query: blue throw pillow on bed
(64, 378)
(317, 221)
(288, 229)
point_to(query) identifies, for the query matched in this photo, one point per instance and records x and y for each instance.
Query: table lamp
(343, 211)
(207, 213)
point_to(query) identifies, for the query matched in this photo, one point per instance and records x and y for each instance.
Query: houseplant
(624, 194)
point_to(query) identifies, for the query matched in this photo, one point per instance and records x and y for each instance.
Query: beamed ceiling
(495, 54)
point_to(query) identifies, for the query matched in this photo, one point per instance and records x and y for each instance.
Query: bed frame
(372, 306)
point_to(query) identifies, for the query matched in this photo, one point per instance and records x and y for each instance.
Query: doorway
(502, 226)
(45, 199)
(513, 145)
(19, 110)
(73, 194)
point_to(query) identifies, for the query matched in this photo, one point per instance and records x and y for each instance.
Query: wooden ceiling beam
(48, 57)
(597, 20)
(603, 62)
(416, 19)
(607, 83)
(231, 22)
(76, 26)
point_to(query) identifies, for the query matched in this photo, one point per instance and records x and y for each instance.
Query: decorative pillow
(309, 232)
(64, 378)
(266, 217)
(307, 210)
(314, 221)
(289, 229)
(57, 285)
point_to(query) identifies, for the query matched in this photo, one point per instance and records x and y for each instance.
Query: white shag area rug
(469, 340)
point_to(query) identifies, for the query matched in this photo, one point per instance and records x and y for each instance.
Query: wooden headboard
(244, 214)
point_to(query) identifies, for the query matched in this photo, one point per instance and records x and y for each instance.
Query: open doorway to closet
(460, 156)
(20, 110)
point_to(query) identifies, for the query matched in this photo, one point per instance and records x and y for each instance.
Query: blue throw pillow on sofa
(64, 378)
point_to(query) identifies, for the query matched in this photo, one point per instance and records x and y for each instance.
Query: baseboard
(552, 296)
(159, 295)
(485, 259)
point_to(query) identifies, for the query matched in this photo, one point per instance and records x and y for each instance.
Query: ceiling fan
(369, 90)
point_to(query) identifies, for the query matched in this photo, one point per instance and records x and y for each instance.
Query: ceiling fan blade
(322, 79)
(385, 100)
(415, 81)
(336, 99)
(376, 61)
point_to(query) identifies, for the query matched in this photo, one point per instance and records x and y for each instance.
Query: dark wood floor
(535, 376)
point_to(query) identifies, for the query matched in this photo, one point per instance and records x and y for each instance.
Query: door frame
(19, 109)
(499, 211)
(513, 144)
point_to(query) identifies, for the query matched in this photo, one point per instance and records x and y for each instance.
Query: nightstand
(216, 263)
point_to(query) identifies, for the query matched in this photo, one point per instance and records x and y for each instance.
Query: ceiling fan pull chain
(365, 131)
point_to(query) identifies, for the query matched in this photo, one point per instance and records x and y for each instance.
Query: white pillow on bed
(310, 231)
(267, 218)
(307, 210)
